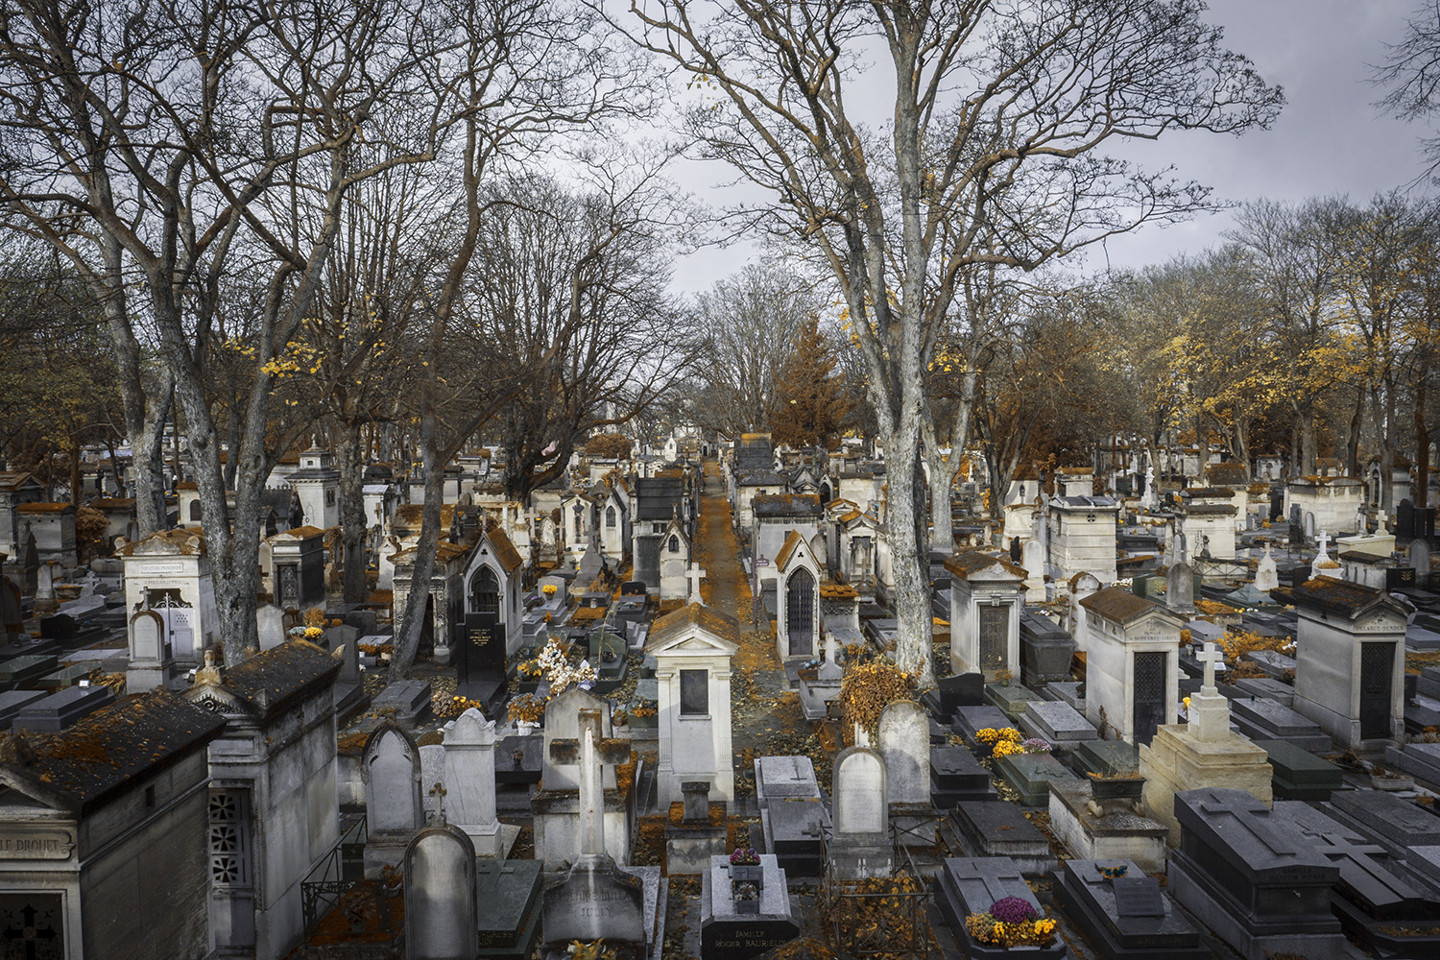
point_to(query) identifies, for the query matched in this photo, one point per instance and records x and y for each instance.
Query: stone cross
(1209, 656)
(1324, 543)
(438, 791)
(589, 752)
(695, 575)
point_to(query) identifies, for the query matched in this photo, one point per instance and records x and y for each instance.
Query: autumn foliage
(867, 690)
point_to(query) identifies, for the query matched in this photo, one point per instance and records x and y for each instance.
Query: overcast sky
(1330, 138)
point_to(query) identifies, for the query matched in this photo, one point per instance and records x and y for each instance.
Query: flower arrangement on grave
(867, 690)
(1113, 871)
(555, 665)
(643, 709)
(527, 708)
(452, 706)
(1036, 745)
(549, 589)
(590, 950)
(744, 857)
(620, 717)
(1011, 922)
(313, 633)
(747, 891)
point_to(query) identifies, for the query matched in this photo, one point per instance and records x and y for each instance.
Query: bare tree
(993, 111)
(181, 137)
(1411, 73)
(750, 319)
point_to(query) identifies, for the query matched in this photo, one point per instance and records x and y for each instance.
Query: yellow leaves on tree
(867, 690)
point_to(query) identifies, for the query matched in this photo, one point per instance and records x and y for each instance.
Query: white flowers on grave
(558, 671)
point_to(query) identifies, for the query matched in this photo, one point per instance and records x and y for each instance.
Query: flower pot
(524, 728)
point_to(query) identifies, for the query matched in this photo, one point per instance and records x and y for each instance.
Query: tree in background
(750, 321)
(810, 406)
(991, 149)
(608, 446)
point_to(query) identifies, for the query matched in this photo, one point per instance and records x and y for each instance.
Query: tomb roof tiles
(1229, 473)
(762, 477)
(786, 505)
(13, 480)
(1339, 596)
(1208, 509)
(133, 737)
(181, 540)
(303, 533)
(793, 541)
(505, 551)
(44, 508)
(273, 679)
(674, 624)
(830, 590)
(1119, 605)
(1205, 493)
(1090, 503)
(112, 503)
(969, 562)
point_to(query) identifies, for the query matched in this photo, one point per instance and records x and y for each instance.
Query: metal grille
(800, 612)
(485, 591)
(1376, 663)
(1149, 695)
(994, 636)
(229, 858)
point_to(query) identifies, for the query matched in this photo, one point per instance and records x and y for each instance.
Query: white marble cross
(1324, 542)
(1209, 656)
(695, 575)
(592, 795)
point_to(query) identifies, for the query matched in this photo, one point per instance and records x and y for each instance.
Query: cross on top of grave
(695, 575)
(1209, 656)
(589, 751)
(438, 791)
(1324, 543)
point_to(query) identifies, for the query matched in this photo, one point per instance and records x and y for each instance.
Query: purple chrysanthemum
(1012, 910)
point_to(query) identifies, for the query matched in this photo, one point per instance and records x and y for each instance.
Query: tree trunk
(1309, 443)
(1420, 476)
(351, 461)
(1352, 445)
(910, 569)
(1387, 452)
(407, 636)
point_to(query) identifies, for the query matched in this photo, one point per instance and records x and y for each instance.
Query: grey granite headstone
(440, 911)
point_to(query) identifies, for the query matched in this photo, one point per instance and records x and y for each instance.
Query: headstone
(961, 690)
(440, 910)
(728, 931)
(404, 700)
(393, 809)
(270, 624)
(861, 845)
(1057, 723)
(1030, 775)
(469, 766)
(904, 742)
(1180, 589)
(507, 899)
(593, 900)
(12, 701)
(1299, 774)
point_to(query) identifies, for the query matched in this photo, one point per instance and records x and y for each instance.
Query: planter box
(748, 906)
(1118, 788)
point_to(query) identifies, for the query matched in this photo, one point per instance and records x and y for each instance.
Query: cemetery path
(765, 713)
(719, 552)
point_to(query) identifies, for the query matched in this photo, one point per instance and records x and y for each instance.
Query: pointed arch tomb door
(800, 613)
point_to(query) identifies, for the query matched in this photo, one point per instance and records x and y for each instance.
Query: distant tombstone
(147, 632)
(1180, 589)
(12, 618)
(905, 745)
(270, 624)
(1405, 519)
(45, 600)
(632, 588)
(1309, 525)
(1015, 549)
(1267, 576)
(441, 921)
(1420, 558)
(393, 810)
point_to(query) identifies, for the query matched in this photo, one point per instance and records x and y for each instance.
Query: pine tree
(810, 405)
